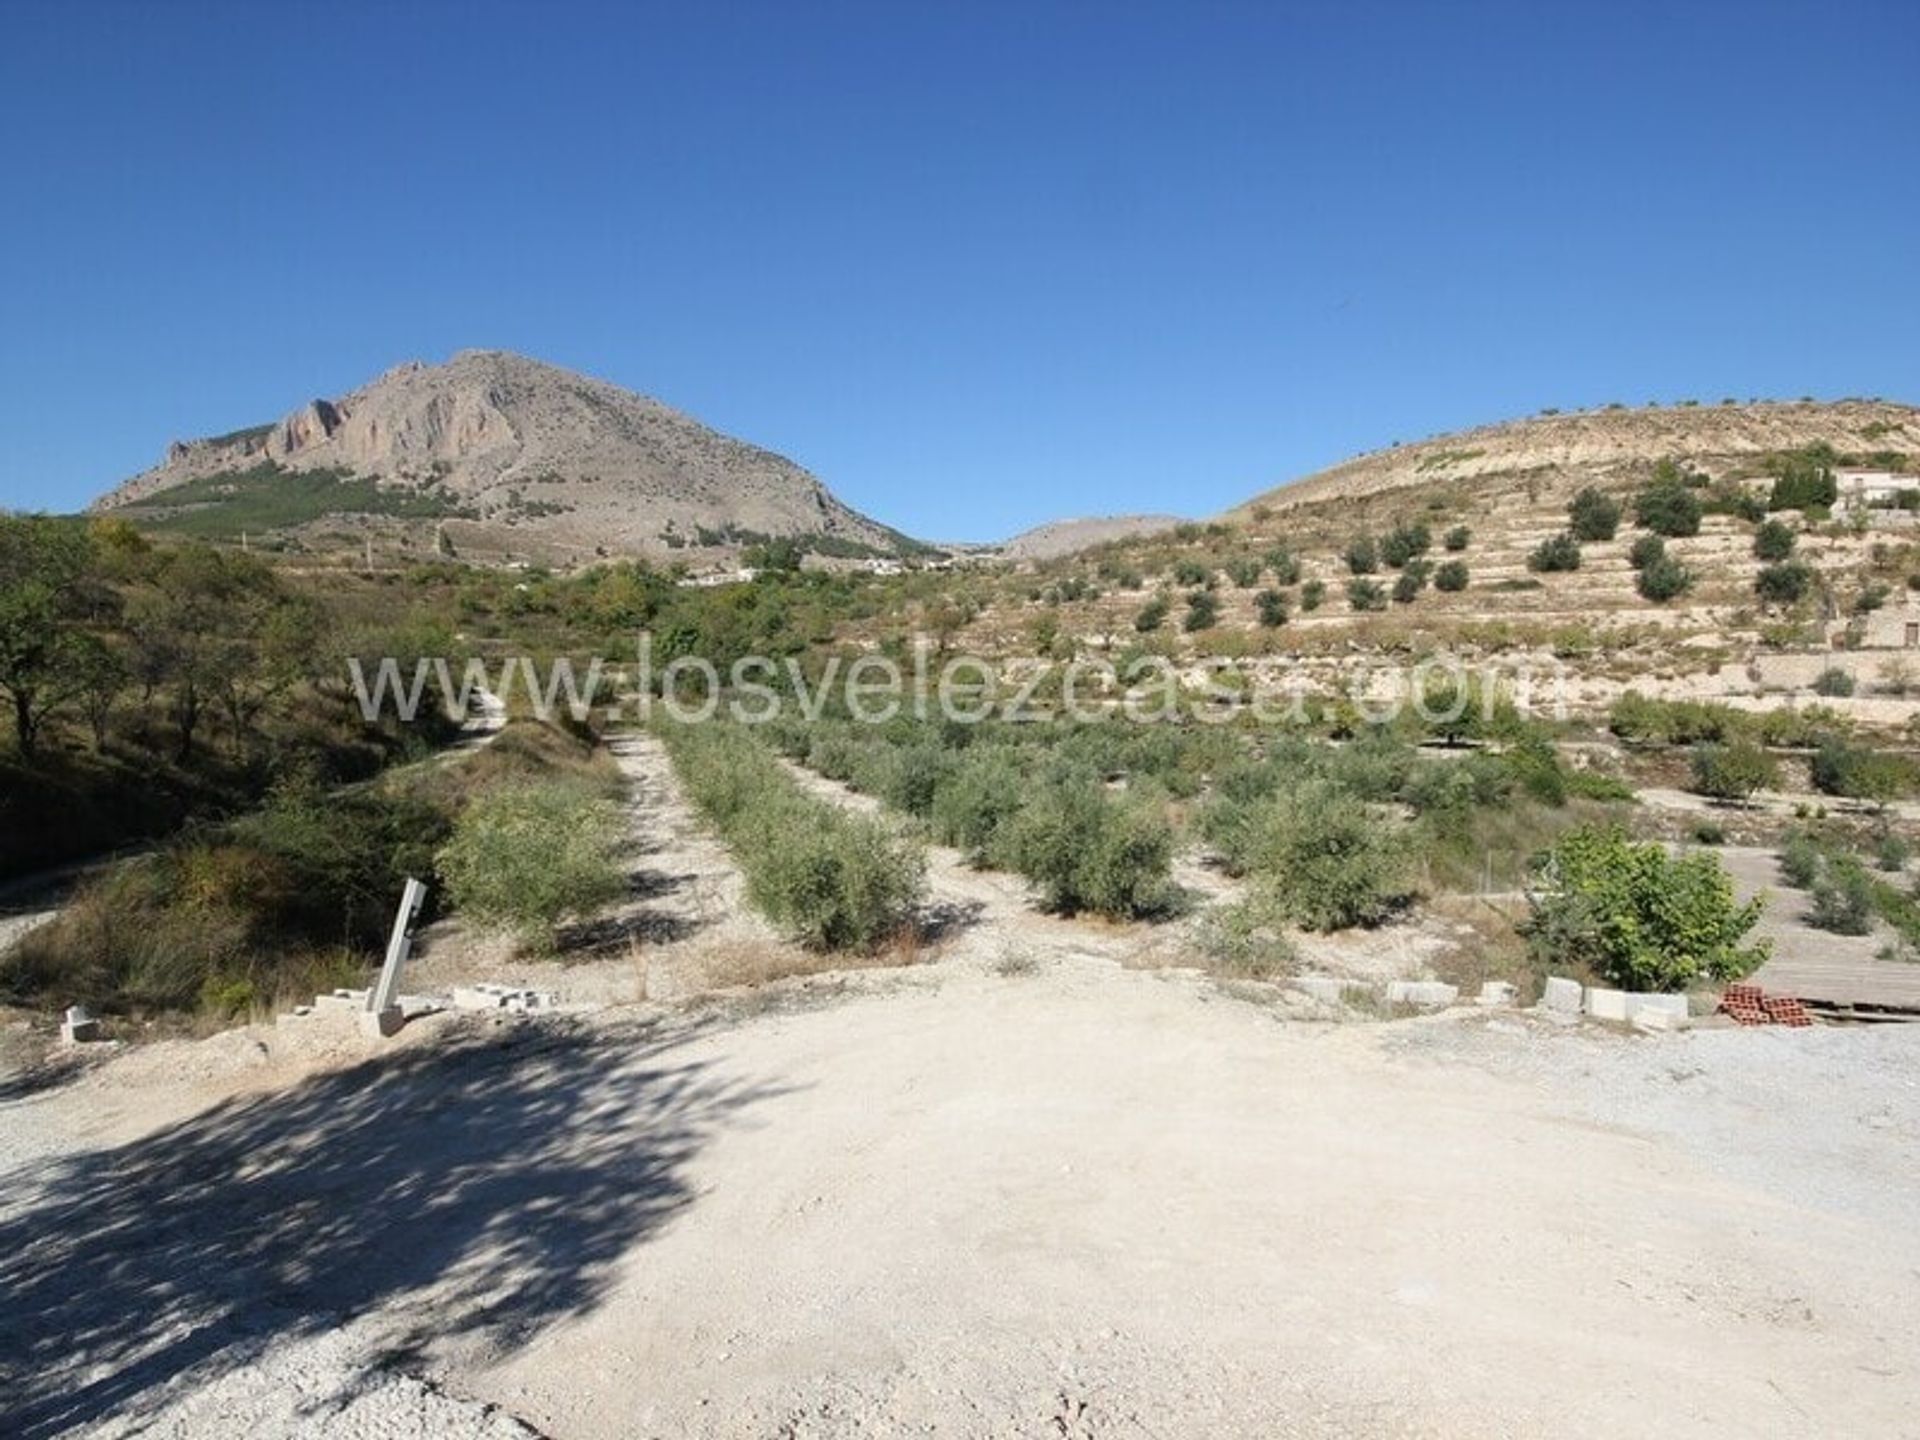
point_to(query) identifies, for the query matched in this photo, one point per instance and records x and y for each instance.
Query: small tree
(527, 857)
(1557, 553)
(1668, 506)
(1451, 576)
(1646, 550)
(1458, 538)
(1773, 541)
(1593, 515)
(1272, 608)
(1284, 564)
(1663, 580)
(1203, 611)
(1312, 594)
(1363, 594)
(1151, 616)
(1404, 543)
(1363, 556)
(1638, 916)
(1733, 772)
(1784, 583)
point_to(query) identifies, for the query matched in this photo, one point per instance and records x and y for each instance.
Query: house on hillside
(1872, 489)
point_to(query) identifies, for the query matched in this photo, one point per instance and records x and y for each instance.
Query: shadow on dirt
(483, 1187)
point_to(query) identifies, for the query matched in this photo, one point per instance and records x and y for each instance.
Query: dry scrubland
(949, 1079)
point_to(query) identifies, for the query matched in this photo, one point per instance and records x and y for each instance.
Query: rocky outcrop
(547, 454)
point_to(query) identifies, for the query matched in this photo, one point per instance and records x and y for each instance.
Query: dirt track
(1080, 1201)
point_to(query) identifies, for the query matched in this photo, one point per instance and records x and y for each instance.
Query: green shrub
(1247, 941)
(1321, 858)
(1800, 860)
(1084, 850)
(1451, 576)
(1458, 538)
(1647, 550)
(1833, 682)
(1407, 586)
(1733, 772)
(1271, 606)
(1191, 572)
(1709, 832)
(1855, 772)
(1593, 515)
(1151, 616)
(1312, 594)
(1557, 553)
(1404, 543)
(1284, 565)
(1784, 583)
(1773, 541)
(1203, 611)
(1891, 853)
(986, 789)
(1663, 579)
(1842, 898)
(1668, 505)
(1364, 594)
(1363, 556)
(1639, 917)
(528, 857)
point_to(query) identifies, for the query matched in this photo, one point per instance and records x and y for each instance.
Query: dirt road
(1082, 1200)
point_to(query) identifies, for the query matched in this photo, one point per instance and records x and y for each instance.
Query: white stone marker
(383, 1015)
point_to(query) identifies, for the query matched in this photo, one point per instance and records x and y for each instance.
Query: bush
(1833, 682)
(1151, 616)
(985, 790)
(1663, 580)
(1732, 772)
(1458, 538)
(1322, 858)
(1312, 594)
(527, 857)
(830, 879)
(1407, 586)
(1247, 941)
(1272, 608)
(1709, 832)
(1557, 553)
(1404, 543)
(1191, 572)
(1668, 506)
(1365, 595)
(1773, 541)
(1647, 550)
(1203, 611)
(1084, 850)
(1451, 576)
(1784, 583)
(1363, 556)
(1593, 515)
(1284, 565)
(1855, 772)
(1639, 917)
(1842, 898)
(1800, 860)
(1244, 572)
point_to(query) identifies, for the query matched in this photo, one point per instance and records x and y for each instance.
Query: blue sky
(976, 265)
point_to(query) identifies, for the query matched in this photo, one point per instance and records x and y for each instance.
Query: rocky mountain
(497, 452)
(1616, 443)
(1068, 537)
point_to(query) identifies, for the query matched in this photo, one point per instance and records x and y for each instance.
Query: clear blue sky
(977, 265)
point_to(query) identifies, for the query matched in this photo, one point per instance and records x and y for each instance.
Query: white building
(1869, 489)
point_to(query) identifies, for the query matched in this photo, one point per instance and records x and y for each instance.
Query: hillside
(1068, 537)
(1600, 446)
(494, 454)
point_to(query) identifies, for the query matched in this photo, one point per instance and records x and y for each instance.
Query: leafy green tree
(1284, 564)
(1663, 579)
(1364, 594)
(1151, 616)
(1458, 538)
(1668, 505)
(1203, 611)
(1313, 594)
(1773, 541)
(1593, 515)
(1556, 553)
(45, 597)
(1272, 608)
(1646, 551)
(1784, 583)
(1451, 576)
(1638, 916)
(1363, 555)
(1404, 543)
(1733, 771)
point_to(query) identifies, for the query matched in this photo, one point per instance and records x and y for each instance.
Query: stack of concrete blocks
(1426, 994)
(502, 997)
(79, 1027)
(1646, 1009)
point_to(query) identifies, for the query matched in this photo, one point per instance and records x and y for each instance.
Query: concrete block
(1428, 994)
(1606, 1004)
(1497, 993)
(341, 1002)
(1656, 1020)
(1561, 997)
(1673, 1006)
(382, 1023)
(78, 1027)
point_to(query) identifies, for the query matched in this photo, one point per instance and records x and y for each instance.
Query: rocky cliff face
(574, 462)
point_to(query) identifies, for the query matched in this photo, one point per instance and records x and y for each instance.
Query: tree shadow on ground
(478, 1186)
